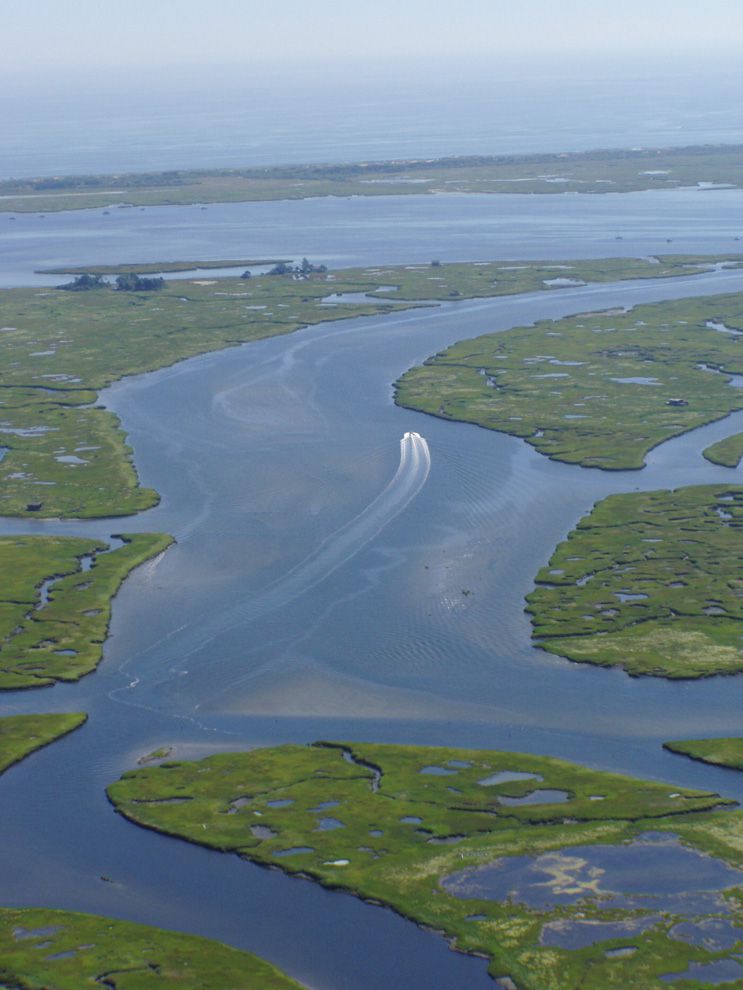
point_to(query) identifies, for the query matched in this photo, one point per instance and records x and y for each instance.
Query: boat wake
(346, 542)
(186, 659)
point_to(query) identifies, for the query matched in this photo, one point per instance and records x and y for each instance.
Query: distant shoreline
(707, 167)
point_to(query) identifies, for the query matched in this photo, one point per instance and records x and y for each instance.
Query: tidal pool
(577, 933)
(721, 971)
(329, 824)
(713, 934)
(507, 777)
(653, 872)
(544, 796)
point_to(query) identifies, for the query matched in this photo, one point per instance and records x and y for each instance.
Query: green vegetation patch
(392, 823)
(601, 171)
(64, 456)
(727, 452)
(60, 950)
(650, 582)
(476, 280)
(21, 735)
(723, 752)
(598, 389)
(56, 603)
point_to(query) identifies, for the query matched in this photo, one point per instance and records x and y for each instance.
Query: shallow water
(718, 972)
(546, 795)
(713, 934)
(573, 933)
(652, 873)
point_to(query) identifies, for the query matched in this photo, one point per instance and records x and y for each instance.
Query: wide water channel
(329, 583)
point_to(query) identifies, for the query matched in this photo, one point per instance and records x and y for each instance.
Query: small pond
(653, 872)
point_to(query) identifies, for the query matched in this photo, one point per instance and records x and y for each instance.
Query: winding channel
(310, 596)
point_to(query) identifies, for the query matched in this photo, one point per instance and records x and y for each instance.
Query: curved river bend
(329, 581)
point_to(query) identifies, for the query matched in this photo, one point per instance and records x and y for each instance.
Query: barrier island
(601, 171)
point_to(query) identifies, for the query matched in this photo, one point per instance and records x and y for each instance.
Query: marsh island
(600, 389)
(561, 876)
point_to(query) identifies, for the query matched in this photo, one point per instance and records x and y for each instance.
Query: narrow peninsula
(21, 735)
(56, 602)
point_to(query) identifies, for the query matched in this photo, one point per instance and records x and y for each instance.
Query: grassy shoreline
(67, 950)
(648, 582)
(719, 752)
(54, 614)
(21, 735)
(727, 452)
(594, 172)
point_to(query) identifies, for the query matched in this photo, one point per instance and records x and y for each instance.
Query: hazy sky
(92, 33)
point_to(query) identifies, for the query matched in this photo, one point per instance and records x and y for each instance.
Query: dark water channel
(323, 588)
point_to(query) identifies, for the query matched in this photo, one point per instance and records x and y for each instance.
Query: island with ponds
(600, 389)
(561, 876)
(650, 582)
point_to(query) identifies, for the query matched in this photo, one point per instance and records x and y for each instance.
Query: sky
(147, 34)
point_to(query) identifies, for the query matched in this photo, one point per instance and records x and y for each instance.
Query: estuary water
(343, 569)
(342, 232)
